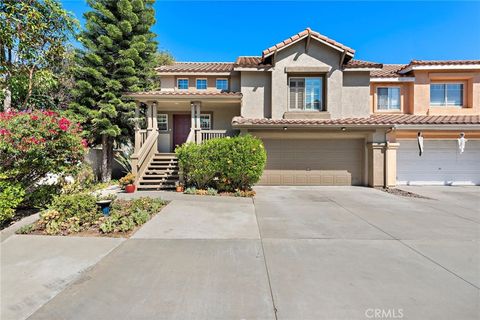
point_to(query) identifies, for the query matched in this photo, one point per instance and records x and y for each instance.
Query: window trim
(188, 83)
(209, 118)
(322, 107)
(166, 121)
(216, 85)
(399, 99)
(196, 83)
(446, 83)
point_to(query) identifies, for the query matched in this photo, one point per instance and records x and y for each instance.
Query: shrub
(225, 164)
(11, 195)
(35, 144)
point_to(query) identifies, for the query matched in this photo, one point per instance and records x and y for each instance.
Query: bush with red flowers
(36, 144)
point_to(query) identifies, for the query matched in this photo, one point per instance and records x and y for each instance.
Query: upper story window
(182, 84)
(162, 121)
(205, 122)
(222, 84)
(388, 98)
(306, 93)
(201, 84)
(446, 94)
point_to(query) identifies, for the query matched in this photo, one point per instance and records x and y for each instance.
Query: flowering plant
(128, 179)
(34, 144)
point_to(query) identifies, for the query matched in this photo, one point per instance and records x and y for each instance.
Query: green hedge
(226, 164)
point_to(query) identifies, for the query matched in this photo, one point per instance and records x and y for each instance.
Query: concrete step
(156, 187)
(159, 177)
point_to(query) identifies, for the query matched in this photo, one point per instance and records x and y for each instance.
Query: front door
(181, 128)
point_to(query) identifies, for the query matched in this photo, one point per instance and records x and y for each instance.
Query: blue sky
(387, 32)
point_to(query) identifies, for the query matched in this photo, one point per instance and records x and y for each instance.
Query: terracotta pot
(179, 188)
(130, 188)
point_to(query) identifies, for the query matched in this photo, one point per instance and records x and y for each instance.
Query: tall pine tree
(118, 57)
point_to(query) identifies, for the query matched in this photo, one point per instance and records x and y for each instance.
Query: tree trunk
(107, 158)
(7, 103)
(30, 87)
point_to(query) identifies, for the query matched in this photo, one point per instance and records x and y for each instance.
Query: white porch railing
(204, 135)
(142, 136)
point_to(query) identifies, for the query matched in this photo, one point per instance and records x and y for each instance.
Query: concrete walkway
(291, 253)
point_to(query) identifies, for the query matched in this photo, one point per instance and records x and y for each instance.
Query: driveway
(291, 253)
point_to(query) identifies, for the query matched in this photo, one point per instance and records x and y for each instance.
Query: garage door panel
(440, 164)
(313, 162)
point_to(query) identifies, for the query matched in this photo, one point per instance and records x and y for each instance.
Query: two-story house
(324, 117)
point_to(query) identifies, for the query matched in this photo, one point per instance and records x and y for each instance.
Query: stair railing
(142, 157)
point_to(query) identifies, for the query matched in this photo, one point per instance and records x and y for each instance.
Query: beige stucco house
(324, 117)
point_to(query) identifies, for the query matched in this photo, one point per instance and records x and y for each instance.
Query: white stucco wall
(356, 94)
(167, 83)
(256, 92)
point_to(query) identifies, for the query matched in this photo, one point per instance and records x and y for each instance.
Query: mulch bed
(403, 193)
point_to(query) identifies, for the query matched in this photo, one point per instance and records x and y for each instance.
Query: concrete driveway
(291, 253)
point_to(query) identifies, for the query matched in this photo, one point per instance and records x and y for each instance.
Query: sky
(386, 32)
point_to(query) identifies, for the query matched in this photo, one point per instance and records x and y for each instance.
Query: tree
(118, 57)
(33, 40)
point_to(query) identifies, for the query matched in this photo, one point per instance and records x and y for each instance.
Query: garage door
(440, 164)
(313, 162)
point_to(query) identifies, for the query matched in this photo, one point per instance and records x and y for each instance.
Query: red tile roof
(388, 71)
(303, 34)
(387, 119)
(250, 61)
(353, 64)
(197, 67)
(186, 93)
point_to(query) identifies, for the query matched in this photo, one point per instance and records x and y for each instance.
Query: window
(162, 121)
(182, 84)
(446, 94)
(222, 84)
(201, 84)
(306, 93)
(205, 122)
(388, 98)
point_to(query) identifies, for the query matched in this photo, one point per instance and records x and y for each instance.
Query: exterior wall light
(420, 143)
(461, 142)
(343, 129)
(284, 128)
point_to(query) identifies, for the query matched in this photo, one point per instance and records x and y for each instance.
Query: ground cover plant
(227, 165)
(78, 214)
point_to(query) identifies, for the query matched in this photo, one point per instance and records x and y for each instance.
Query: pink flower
(4, 132)
(50, 113)
(34, 117)
(63, 124)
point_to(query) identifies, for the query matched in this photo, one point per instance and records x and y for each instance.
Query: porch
(165, 120)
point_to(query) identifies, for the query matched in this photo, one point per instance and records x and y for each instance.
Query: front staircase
(161, 173)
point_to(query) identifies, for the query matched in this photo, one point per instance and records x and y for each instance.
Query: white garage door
(313, 162)
(440, 164)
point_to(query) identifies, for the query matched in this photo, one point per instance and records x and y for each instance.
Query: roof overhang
(437, 127)
(361, 69)
(309, 126)
(441, 67)
(190, 73)
(268, 69)
(392, 79)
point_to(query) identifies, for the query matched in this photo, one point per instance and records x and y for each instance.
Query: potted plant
(127, 183)
(179, 187)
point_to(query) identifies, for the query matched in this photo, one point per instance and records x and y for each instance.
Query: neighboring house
(325, 118)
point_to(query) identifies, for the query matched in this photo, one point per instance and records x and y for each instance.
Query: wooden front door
(181, 128)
